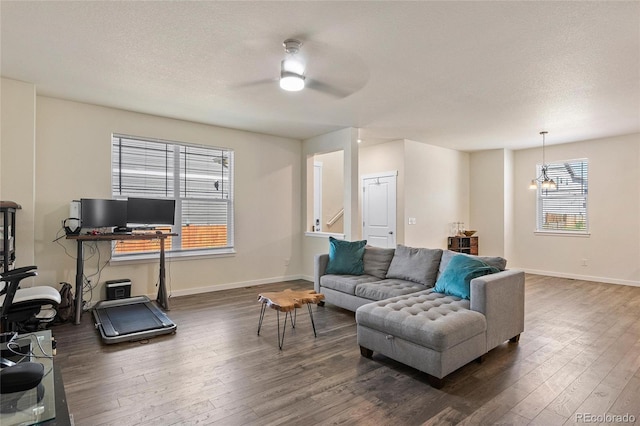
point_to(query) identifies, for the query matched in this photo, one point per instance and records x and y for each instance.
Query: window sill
(129, 259)
(585, 234)
(324, 235)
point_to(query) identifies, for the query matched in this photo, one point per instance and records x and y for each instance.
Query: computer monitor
(101, 213)
(150, 211)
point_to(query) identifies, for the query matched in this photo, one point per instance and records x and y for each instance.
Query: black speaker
(21, 377)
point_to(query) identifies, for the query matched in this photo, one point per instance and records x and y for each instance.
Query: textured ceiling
(465, 75)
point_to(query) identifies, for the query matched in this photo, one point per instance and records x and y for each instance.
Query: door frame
(317, 196)
(393, 174)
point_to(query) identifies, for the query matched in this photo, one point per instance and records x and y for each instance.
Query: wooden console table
(163, 297)
(462, 244)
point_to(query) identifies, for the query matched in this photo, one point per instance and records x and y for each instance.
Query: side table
(288, 301)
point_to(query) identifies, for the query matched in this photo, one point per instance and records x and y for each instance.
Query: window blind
(142, 168)
(199, 178)
(564, 208)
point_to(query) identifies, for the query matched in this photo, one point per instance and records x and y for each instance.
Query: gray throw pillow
(377, 261)
(495, 261)
(419, 265)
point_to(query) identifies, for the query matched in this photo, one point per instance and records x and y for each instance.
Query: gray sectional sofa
(400, 315)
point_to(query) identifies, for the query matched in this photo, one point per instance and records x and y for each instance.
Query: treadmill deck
(133, 318)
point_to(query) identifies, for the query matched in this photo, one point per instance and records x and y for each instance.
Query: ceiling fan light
(292, 65)
(291, 82)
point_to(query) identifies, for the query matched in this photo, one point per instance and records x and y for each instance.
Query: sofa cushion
(419, 265)
(377, 260)
(387, 288)
(345, 283)
(457, 276)
(426, 318)
(495, 261)
(345, 257)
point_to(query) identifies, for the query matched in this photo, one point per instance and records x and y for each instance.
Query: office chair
(25, 309)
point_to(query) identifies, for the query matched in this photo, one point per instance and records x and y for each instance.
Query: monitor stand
(133, 318)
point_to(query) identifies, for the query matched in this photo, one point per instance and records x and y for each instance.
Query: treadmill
(133, 318)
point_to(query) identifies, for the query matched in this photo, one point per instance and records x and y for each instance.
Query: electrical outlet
(412, 221)
(584, 262)
(286, 261)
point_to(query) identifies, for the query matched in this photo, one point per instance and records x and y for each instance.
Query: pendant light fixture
(544, 180)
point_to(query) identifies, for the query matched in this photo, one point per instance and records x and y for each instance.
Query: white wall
(73, 157)
(433, 187)
(52, 151)
(332, 189)
(345, 140)
(436, 192)
(491, 198)
(17, 164)
(487, 201)
(611, 250)
(509, 204)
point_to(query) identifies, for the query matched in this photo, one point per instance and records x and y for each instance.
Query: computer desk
(163, 297)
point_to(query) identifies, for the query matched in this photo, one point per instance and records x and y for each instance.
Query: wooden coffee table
(288, 301)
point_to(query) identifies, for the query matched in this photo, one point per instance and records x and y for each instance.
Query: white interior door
(317, 196)
(379, 209)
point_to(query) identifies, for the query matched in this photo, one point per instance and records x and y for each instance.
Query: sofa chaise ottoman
(429, 330)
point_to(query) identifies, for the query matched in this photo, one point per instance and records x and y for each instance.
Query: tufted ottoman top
(426, 318)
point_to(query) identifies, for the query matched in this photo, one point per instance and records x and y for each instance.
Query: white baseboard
(241, 284)
(229, 286)
(580, 277)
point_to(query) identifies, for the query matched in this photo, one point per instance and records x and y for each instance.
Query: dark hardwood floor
(579, 356)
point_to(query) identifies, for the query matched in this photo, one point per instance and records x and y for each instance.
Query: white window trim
(181, 254)
(324, 235)
(562, 232)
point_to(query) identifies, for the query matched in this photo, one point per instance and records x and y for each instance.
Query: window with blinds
(199, 178)
(565, 207)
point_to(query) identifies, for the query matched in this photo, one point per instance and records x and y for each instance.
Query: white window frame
(177, 190)
(570, 192)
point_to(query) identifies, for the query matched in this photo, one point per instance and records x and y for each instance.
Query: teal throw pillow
(345, 257)
(455, 280)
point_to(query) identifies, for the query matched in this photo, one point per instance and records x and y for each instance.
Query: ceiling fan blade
(326, 88)
(256, 83)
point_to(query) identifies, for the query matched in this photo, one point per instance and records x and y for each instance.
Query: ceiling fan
(293, 74)
(292, 68)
